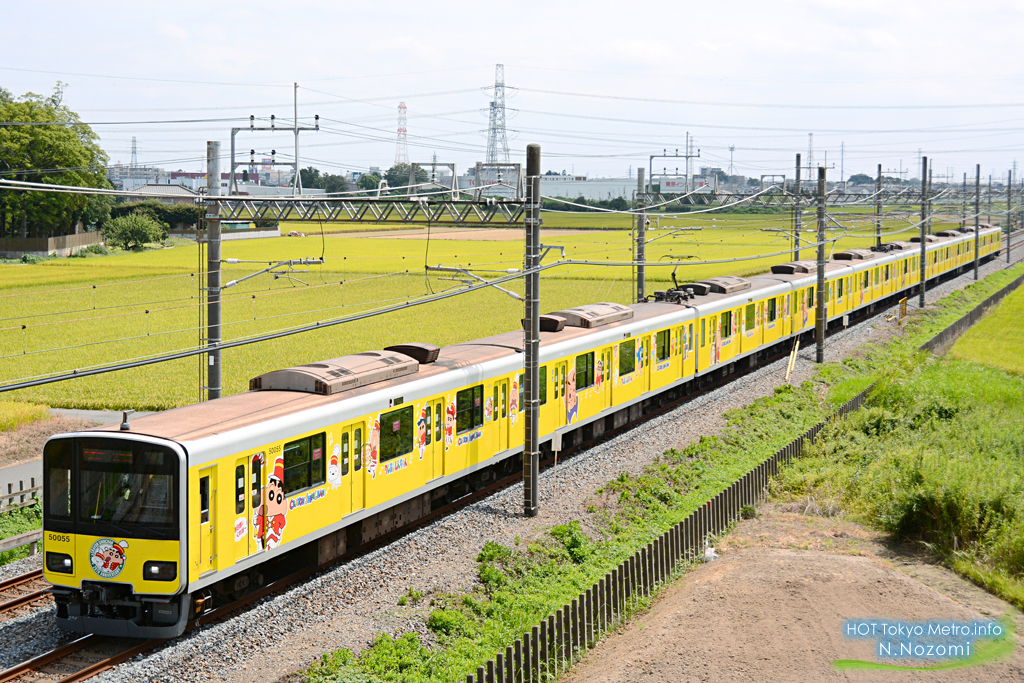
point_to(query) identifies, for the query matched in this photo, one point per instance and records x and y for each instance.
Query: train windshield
(111, 486)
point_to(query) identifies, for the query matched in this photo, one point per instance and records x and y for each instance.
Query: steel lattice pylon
(402, 146)
(497, 140)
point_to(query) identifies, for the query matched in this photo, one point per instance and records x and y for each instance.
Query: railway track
(91, 655)
(21, 591)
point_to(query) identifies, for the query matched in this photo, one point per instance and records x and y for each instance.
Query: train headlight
(59, 562)
(160, 571)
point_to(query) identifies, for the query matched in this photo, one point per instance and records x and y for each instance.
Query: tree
(368, 181)
(310, 177)
(398, 175)
(753, 182)
(722, 176)
(54, 154)
(132, 231)
(861, 179)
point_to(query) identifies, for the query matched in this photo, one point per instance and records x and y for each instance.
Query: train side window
(839, 288)
(522, 389)
(396, 430)
(662, 345)
(810, 297)
(504, 400)
(469, 409)
(438, 415)
(494, 408)
(257, 479)
(748, 316)
(726, 324)
(543, 382)
(627, 357)
(703, 336)
(773, 308)
(344, 453)
(904, 266)
(689, 340)
(304, 463)
(357, 447)
(556, 382)
(427, 421)
(240, 489)
(204, 500)
(584, 371)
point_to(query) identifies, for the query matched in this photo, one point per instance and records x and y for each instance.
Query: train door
(256, 503)
(340, 471)
(242, 516)
(355, 480)
(437, 453)
(501, 413)
(649, 356)
(207, 514)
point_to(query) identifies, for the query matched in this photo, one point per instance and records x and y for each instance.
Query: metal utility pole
(989, 200)
(963, 204)
(932, 168)
(977, 211)
(924, 216)
(796, 212)
(878, 208)
(1009, 207)
(213, 264)
(297, 181)
(641, 238)
(820, 316)
(531, 343)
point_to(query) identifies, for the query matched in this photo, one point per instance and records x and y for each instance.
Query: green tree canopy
(398, 175)
(368, 181)
(67, 154)
(861, 179)
(312, 179)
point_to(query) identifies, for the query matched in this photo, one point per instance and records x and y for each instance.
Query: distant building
(182, 195)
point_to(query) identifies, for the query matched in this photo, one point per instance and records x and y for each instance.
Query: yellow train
(151, 523)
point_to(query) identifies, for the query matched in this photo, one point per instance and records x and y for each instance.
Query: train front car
(114, 528)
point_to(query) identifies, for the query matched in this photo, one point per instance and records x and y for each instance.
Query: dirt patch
(26, 442)
(772, 609)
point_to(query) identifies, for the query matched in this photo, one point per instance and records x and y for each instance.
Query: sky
(600, 86)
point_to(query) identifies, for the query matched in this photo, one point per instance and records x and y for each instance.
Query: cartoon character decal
(686, 343)
(717, 341)
(449, 425)
(639, 356)
(272, 517)
(785, 308)
(598, 374)
(803, 309)
(334, 467)
(488, 409)
(736, 322)
(107, 557)
(572, 399)
(513, 401)
(373, 448)
(422, 425)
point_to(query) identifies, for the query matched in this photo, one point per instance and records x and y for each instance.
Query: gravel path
(347, 606)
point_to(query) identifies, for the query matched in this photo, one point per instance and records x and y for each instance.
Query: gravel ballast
(348, 605)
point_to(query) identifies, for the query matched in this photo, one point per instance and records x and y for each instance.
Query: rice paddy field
(74, 313)
(997, 340)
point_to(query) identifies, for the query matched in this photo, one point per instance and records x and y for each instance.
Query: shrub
(132, 231)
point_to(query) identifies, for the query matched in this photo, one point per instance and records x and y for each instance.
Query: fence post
(567, 634)
(559, 656)
(527, 657)
(518, 662)
(490, 671)
(510, 666)
(549, 645)
(479, 674)
(499, 669)
(535, 653)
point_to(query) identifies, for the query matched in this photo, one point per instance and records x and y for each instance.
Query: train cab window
(204, 500)
(345, 453)
(58, 459)
(257, 480)
(426, 422)
(543, 382)
(627, 357)
(304, 463)
(726, 324)
(748, 318)
(773, 308)
(584, 371)
(357, 447)
(469, 409)
(703, 335)
(240, 489)
(396, 430)
(663, 347)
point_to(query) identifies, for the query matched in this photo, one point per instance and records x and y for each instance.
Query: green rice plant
(998, 338)
(14, 414)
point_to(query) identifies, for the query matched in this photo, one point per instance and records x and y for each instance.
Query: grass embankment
(520, 585)
(14, 414)
(997, 339)
(79, 313)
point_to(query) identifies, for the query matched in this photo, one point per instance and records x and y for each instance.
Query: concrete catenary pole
(924, 217)
(1009, 208)
(213, 264)
(641, 239)
(878, 208)
(977, 214)
(796, 212)
(820, 315)
(531, 395)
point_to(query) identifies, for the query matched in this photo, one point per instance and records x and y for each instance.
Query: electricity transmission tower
(497, 139)
(402, 146)
(134, 164)
(732, 171)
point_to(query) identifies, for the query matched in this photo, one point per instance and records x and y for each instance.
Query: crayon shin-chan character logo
(107, 557)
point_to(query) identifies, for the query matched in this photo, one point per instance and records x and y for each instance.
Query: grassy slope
(998, 338)
(14, 414)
